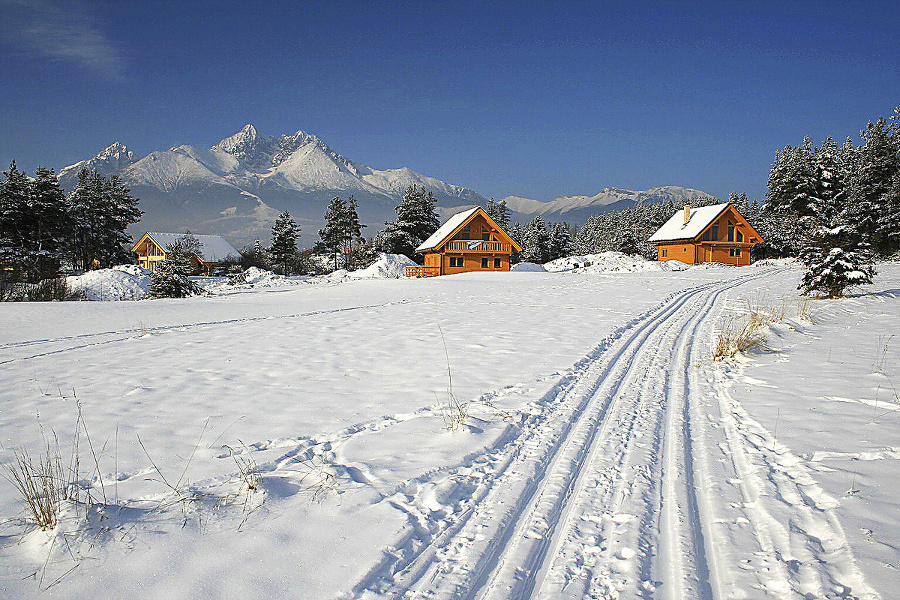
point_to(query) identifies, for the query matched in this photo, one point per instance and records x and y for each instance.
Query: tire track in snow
(497, 544)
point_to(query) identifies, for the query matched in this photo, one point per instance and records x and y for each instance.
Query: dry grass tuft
(41, 483)
(747, 333)
(734, 338)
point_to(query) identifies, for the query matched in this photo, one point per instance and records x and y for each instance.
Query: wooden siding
(716, 243)
(478, 244)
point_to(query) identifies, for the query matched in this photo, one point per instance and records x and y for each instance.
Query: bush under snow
(124, 282)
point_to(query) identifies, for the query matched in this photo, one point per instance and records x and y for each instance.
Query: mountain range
(239, 186)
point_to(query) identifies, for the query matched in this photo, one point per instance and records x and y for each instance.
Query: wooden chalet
(717, 233)
(468, 241)
(214, 249)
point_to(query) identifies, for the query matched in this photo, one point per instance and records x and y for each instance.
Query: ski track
(618, 486)
(78, 342)
(635, 476)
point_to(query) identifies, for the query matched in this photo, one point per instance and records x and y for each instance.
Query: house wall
(477, 229)
(682, 252)
(471, 261)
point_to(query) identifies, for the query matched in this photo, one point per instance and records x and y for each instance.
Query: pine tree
(333, 234)
(170, 280)
(499, 212)
(284, 241)
(835, 261)
(560, 242)
(100, 211)
(416, 220)
(352, 229)
(536, 242)
(14, 202)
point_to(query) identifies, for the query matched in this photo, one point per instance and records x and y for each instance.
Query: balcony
(423, 271)
(477, 246)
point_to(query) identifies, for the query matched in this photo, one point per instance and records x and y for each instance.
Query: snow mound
(123, 282)
(257, 276)
(391, 266)
(775, 262)
(612, 262)
(529, 267)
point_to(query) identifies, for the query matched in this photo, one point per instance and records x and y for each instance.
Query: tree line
(837, 207)
(43, 229)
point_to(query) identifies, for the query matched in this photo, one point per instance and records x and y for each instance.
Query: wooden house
(468, 241)
(214, 249)
(717, 233)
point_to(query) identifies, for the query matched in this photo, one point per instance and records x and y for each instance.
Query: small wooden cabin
(717, 233)
(468, 241)
(214, 249)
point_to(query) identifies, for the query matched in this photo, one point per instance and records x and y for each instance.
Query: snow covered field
(604, 454)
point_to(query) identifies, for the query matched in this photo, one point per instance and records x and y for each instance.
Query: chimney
(687, 213)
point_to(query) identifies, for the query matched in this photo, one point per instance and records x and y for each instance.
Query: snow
(528, 267)
(125, 282)
(616, 262)
(603, 453)
(388, 265)
(446, 229)
(676, 229)
(608, 196)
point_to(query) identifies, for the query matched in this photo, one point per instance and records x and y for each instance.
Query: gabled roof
(676, 229)
(213, 248)
(450, 227)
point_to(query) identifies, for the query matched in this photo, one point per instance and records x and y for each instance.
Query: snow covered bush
(834, 262)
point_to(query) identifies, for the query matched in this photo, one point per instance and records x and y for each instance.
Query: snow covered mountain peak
(116, 151)
(112, 158)
(262, 152)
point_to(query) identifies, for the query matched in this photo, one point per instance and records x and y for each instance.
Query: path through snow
(639, 477)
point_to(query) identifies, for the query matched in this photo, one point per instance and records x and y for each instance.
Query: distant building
(468, 241)
(214, 249)
(717, 233)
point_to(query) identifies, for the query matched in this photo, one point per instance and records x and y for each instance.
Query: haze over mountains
(239, 186)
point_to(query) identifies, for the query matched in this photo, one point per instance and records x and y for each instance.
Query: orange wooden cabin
(468, 241)
(717, 233)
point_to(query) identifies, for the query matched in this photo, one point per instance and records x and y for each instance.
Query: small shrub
(48, 290)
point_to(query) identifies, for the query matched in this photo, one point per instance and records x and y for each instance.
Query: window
(730, 233)
(665, 252)
(456, 261)
(497, 263)
(738, 236)
(714, 233)
(734, 252)
(484, 263)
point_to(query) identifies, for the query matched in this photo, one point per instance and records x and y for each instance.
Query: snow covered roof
(446, 229)
(676, 229)
(213, 248)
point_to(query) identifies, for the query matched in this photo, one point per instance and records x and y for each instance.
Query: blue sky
(533, 99)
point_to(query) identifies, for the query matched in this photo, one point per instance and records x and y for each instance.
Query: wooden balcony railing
(477, 246)
(422, 271)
